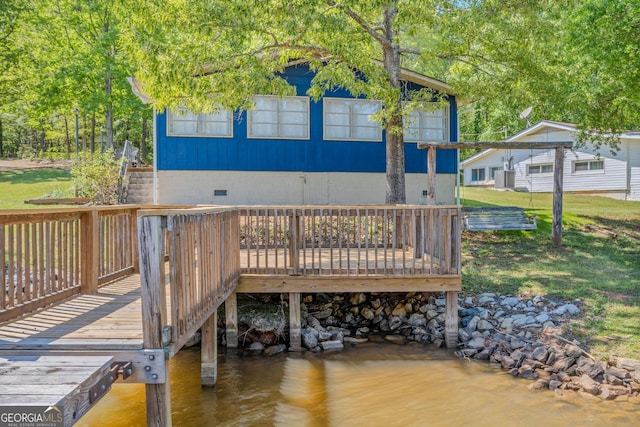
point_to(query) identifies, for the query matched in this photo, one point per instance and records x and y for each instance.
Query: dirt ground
(16, 164)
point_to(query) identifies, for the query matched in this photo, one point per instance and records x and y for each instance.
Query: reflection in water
(369, 385)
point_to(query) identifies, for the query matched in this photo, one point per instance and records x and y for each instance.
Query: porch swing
(498, 218)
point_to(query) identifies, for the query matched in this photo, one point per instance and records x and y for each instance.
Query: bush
(96, 176)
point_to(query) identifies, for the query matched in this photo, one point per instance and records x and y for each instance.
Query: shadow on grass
(34, 176)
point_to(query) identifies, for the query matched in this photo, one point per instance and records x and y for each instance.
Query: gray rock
(275, 349)
(628, 364)
(485, 325)
(587, 367)
(431, 314)
(516, 343)
(571, 309)
(554, 384)
(477, 343)
(352, 340)
(467, 352)
(358, 298)
(337, 335)
(309, 338)
(323, 314)
(540, 354)
(589, 385)
(486, 300)
(395, 339)
(331, 345)
(573, 351)
(473, 324)
(417, 320)
(542, 317)
(324, 335)
(441, 302)
(256, 347)
(510, 301)
(563, 364)
(395, 323)
(618, 372)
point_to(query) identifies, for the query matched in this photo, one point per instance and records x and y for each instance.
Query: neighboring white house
(586, 170)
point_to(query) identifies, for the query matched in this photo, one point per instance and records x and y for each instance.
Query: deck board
(111, 319)
(58, 385)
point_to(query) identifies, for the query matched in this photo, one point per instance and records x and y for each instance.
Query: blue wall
(313, 155)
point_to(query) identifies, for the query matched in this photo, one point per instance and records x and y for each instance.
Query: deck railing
(358, 240)
(49, 255)
(204, 266)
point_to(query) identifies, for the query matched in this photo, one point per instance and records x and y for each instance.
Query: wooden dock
(79, 287)
(58, 389)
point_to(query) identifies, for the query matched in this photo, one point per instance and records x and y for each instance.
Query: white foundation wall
(291, 188)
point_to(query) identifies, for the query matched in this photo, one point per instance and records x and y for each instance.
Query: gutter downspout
(155, 159)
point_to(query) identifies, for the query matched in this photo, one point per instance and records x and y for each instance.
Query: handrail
(48, 255)
(350, 240)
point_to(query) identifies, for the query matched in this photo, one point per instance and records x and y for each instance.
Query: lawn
(16, 186)
(600, 271)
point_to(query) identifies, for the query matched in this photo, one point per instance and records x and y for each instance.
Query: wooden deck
(60, 389)
(190, 262)
(108, 320)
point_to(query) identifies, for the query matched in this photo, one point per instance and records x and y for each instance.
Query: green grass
(16, 186)
(600, 271)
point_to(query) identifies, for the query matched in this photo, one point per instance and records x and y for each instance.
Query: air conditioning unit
(505, 179)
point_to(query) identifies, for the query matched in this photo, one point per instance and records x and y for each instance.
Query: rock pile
(521, 335)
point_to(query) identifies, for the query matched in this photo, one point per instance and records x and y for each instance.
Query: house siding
(296, 156)
(619, 179)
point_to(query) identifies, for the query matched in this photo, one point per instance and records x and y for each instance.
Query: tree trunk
(394, 128)
(66, 136)
(84, 132)
(92, 140)
(108, 114)
(143, 141)
(1, 140)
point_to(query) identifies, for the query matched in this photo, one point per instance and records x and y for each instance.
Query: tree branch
(372, 31)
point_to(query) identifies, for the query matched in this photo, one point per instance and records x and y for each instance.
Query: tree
(242, 45)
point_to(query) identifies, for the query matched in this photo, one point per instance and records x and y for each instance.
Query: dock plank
(60, 383)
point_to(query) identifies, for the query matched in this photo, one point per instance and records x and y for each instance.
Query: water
(369, 385)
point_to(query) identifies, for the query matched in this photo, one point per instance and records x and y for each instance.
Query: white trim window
(183, 122)
(423, 126)
(540, 169)
(348, 119)
(478, 174)
(584, 166)
(279, 118)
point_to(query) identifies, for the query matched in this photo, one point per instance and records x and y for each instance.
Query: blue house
(294, 150)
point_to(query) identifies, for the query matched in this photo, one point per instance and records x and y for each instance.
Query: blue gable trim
(313, 155)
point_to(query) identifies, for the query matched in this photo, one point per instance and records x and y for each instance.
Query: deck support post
(90, 263)
(295, 335)
(451, 319)
(154, 313)
(431, 175)
(231, 323)
(556, 230)
(209, 351)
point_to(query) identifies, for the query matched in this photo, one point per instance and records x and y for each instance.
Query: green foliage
(96, 176)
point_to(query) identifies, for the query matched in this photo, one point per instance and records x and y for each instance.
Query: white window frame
(589, 169)
(540, 166)
(350, 119)
(201, 119)
(478, 170)
(419, 120)
(281, 115)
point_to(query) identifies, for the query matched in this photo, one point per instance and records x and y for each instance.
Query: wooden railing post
(154, 312)
(294, 241)
(135, 253)
(231, 314)
(90, 244)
